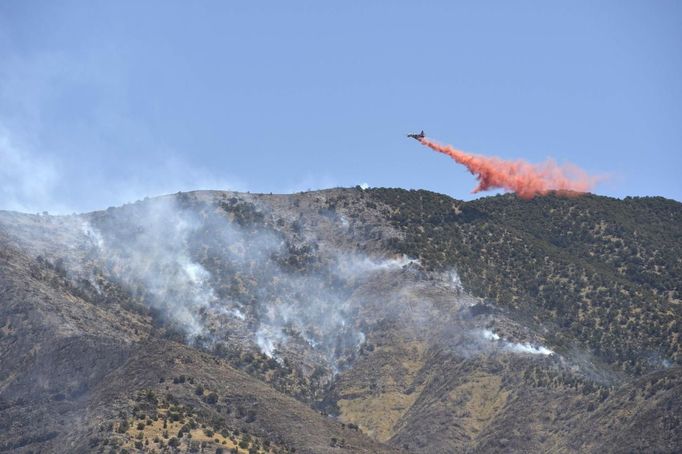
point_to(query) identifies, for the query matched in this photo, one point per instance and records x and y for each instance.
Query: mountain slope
(606, 272)
(369, 321)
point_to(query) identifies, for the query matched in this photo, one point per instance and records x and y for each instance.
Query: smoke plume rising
(527, 180)
(284, 277)
(516, 347)
(226, 281)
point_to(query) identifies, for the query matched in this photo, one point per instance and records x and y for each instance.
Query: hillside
(605, 272)
(378, 320)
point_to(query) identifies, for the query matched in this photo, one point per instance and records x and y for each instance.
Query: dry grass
(155, 431)
(478, 400)
(377, 414)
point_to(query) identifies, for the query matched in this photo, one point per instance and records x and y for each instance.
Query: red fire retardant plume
(525, 179)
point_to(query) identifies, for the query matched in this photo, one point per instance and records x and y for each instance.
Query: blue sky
(107, 102)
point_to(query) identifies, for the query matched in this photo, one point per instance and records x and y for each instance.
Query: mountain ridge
(420, 322)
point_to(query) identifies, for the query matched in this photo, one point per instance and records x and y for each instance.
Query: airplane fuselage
(416, 136)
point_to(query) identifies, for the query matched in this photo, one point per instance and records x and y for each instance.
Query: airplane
(417, 136)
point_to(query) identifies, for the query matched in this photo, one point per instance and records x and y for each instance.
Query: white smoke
(514, 346)
(269, 339)
(224, 281)
(353, 266)
(154, 255)
(161, 249)
(456, 281)
(92, 235)
(489, 335)
(221, 280)
(27, 181)
(529, 348)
